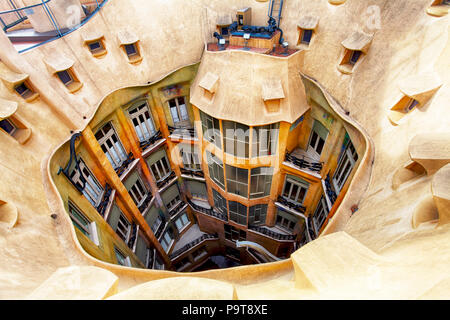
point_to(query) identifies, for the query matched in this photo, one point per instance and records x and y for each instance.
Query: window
(179, 111)
(306, 36)
(215, 166)
(96, 47)
(317, 139)
(264, 140)
(155, 226)
(320, 215)
(219, 202)
(295, 190)
(82, 223)
(123, 228)
(24, 90)
(238, 212)
(234, 234)
(92, 189)
(190, 156)
(411, 105)
(260, 182)
(159, 265)
(138, 192)
(211, 129)
(237, 181)
(121, 258)
(111, 145)
(197, 189)
(181, 222)
(199, 253)
(65, 77)
(142, 121)
(236, 139)
(257, 214)
(131, 49)
(354, 57)
(286, 221)
(345, 165)
(8, 126)
(166, 240)
(161, 169)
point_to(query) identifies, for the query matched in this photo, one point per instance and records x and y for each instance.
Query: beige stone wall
(409, 42)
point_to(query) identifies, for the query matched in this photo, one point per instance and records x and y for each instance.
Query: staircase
(275, 9)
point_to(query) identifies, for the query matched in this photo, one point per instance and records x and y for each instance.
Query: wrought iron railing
(329, 190)
(183, 132)
(150, 257)
(174, 211)
(192, 244)
(144, 205)
(304, 164)
(151, 141)
(165, 181)
(291, 205)
(133, 236)
(192, 172)
(101, 208)
(121, 169)
(160, 229)
(210, 212)
(272, 234)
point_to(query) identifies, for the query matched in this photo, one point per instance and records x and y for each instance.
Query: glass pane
(7, 126)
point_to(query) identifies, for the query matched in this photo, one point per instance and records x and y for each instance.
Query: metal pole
(51, 17)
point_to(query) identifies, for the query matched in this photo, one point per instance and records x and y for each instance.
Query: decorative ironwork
(272, 234)
(146, 202)
(192, 244)
(183, 132)
(73, 157)
(210, 212)
(120, 170)
(165, 181)
(101, 208)
(133, 236)
(329, 190)
(161, 228)
(192, 172)
(304, 164)
(177, 209)
(291, 205)
(151, 141)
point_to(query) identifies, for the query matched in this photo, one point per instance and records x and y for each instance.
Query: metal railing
(178, 208)
(192, 244)
(123, 167)
(304, 164)
(192, 172)
(18, 15)
(291, 205)
(183, 132)
(144, 205)
(210, 212)
(101, 208)
(272, 234)
(151, 141)
(166, 180)
(329, 190)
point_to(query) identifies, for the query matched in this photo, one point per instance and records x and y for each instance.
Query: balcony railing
(161, 228)
(133, 237)
(210, 212)
(192, 172)
(144, 205)
(149, 260)
(192, 244)
(120, 170)
(174, 211)
(291, 205)
(151, 141)
(183, 132)
(329, 190)
(165, 181)
(101, 208)
(272, 234)
(304, 164)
